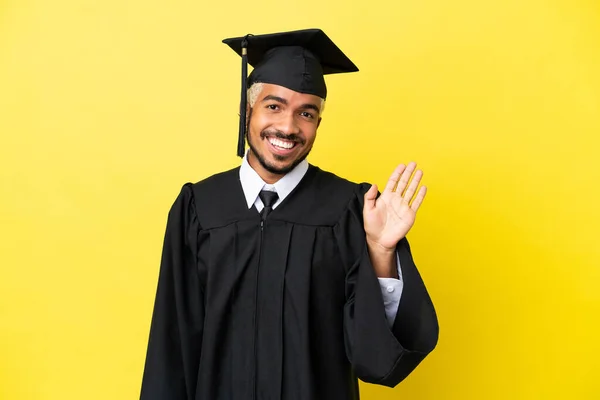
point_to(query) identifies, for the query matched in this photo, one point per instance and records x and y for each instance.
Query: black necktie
(268, 198)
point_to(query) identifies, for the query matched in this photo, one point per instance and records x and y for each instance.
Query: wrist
(376, 247)
(383, 259)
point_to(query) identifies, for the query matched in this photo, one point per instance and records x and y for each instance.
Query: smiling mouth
(281, 144)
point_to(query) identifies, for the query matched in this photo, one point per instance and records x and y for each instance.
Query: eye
(306, 114)
(273, 107)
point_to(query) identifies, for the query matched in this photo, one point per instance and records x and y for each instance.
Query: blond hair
(256, 88)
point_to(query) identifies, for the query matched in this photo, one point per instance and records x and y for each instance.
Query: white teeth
(281, 143)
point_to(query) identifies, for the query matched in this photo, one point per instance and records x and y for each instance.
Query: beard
(278, 134)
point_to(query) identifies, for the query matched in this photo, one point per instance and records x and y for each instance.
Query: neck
(268, 177)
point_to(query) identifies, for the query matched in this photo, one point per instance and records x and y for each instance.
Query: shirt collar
(252, 183)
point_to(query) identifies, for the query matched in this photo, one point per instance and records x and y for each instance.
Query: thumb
(370, 197)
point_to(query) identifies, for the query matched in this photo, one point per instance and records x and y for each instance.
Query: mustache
(280, 135)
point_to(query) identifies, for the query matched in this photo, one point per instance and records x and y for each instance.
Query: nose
(287, 124)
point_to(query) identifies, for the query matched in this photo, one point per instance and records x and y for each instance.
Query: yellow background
(108, 107)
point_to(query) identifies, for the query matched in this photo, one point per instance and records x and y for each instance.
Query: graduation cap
(296, 60)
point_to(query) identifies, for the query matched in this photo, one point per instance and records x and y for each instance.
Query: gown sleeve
(175, 339)
(380, 353)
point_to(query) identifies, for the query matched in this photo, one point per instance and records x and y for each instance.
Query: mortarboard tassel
(242, 134)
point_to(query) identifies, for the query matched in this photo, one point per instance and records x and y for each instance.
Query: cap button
(245, 41)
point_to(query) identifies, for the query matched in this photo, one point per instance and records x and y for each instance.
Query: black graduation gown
(291, 311)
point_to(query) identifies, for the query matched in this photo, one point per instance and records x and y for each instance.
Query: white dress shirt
(252, 184)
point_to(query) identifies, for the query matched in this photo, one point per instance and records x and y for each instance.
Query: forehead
(288, 94)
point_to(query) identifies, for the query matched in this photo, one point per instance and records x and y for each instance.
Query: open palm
(388, 219)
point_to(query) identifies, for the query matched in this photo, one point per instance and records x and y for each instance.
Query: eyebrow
(310, 106)
(274, 98)
(306, 106)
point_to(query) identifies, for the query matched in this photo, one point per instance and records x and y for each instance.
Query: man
(279, 280)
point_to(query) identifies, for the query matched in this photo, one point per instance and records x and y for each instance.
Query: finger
(370, 197)
(412, 187)
(419, 199)
(410, 168)
(394, 178)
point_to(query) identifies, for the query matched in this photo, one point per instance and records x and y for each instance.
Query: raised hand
(388, 219)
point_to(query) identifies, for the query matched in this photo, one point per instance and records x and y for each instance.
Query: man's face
(282, 127)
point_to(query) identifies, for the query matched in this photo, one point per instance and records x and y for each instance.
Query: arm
(173, 352)
(381, 353)
(391, 291)
(387, 220)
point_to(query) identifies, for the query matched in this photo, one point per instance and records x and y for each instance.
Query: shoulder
(322, 198)
(218, 199)
(214, 187)
(210, 187)
(216, 181)
(344, 189)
